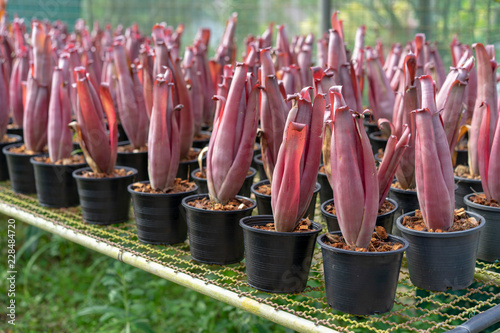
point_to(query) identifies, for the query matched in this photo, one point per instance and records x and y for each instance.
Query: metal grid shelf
(415, 310)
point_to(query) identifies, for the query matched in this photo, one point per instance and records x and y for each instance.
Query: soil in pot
(439, 260)
(136, 158)
(201, 139)
(189, 164)
(326, 191)
(467, 184)
(8, 139)
(489, 248)
(278, 262)
(158, 215)
(55, 185)
(215, 236)
(262, 192)
(362, 281)
(385, 217)
(104, 198)
(21, 172)
(200, 180)
(13, 129)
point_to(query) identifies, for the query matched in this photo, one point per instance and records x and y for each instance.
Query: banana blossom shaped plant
(489, 157)
(230, 149)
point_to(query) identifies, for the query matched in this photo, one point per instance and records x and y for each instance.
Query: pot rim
(472, 204)
(124, 143)
(373, 135)
(35, 162)
(466, 180)
(392, 201)
(5, 150)
(398, 190)
(204, 133)
(453, 234)
(143, 194)
(254, 172)
(401, 240)
(204, 195)
(258, 159)
(196, 159)
(76, 174)
(269, 218)
(18, 138)
(253, 188)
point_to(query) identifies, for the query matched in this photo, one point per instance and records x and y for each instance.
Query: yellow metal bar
(263, 310)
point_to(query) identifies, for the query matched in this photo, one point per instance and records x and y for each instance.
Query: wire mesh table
(415, 310)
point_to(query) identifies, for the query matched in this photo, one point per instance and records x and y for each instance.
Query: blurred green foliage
(386, 20)
(63, 287)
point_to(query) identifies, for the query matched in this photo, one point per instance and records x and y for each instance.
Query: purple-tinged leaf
(380, 93)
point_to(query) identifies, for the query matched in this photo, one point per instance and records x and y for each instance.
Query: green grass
(63, 287)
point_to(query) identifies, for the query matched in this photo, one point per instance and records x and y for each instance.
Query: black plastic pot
(122, 136)
(4, 170)
(202, 143)
(439, 261)
(277, 262)
(104, 200)
(158, 216)
(326, 191)
(462, 157)
(370, 126)
(407, 201)
(185, 167)
(377, 141)
(21, 173)
(55, 185)
(259, 165)
(385, 220)
(264, 201)
(244, 191)
(361, 283)
(16, 131)
(489, 247)
(256, 151)
(136, 160)
(215, 237)
(466, 186)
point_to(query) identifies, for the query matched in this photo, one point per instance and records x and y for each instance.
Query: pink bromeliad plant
(433, 166)
(4, 97)
(38, 90)
(60, 139)
(230, 149)
(298, 161)
(130, 97)
(163, 142)
(99, 149)
(20, 68)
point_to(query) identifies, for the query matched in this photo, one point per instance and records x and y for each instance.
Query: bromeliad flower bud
(231, 144)
(433, 166)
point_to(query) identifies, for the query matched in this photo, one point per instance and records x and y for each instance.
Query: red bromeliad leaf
(380, 93)
(60, 138)
(433, 166)
(355, 183)
(286, 189)
(109, 110)
(494, 162)
(4, 97)
(194, 78)
(146, 57)
(19, 74)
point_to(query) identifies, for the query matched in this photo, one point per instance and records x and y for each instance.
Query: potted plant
(279, 247)
(36, 113)
(132, 110)
(361, 268)
(157, 202)
(443, 243)
(214, 233)
(469, 178)
(487, 204)
(164, 57)
(55, 185)
(102, 188)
